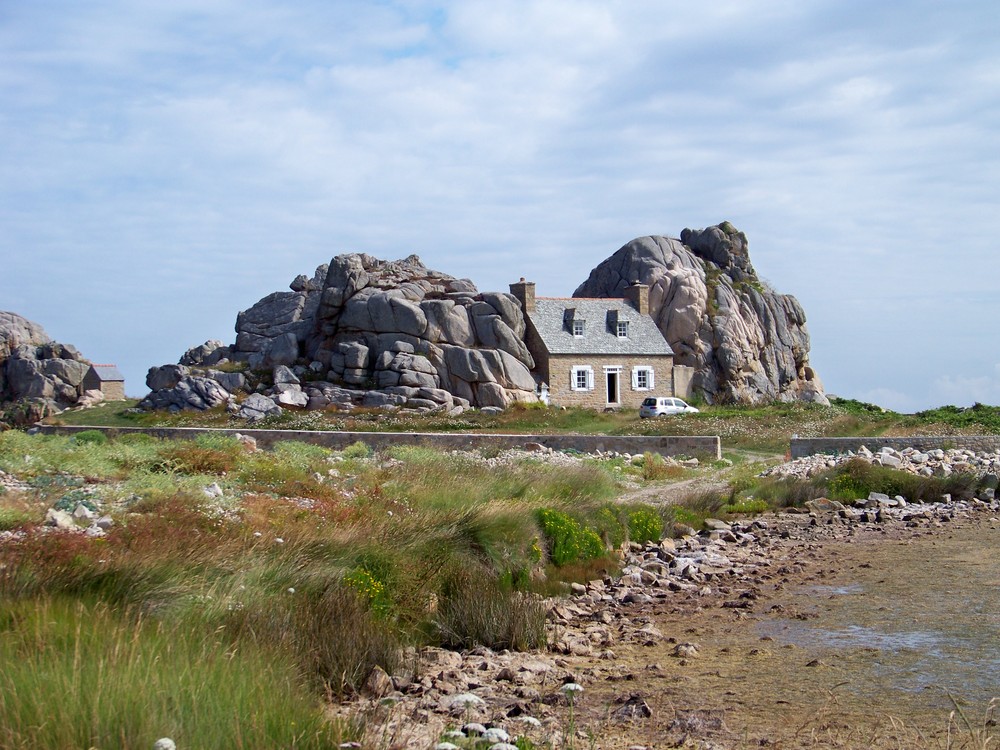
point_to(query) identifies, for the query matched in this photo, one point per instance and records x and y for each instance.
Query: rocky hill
(394, 334)
(747, 343)
(362, 332)
(38, 376)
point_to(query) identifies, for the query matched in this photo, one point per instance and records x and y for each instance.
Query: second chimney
(638, 296)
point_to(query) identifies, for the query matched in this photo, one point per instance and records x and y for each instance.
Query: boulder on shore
(746, 342)
(362, 332)
(38, 376)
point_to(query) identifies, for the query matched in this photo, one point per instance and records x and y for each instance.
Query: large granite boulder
(747, 343)
(368, 333)
(38, 376)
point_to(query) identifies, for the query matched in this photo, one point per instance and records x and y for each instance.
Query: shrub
(370, 590)
(90, 437)
(331, 632)
(608, 524)
(644, 525)
(654, 467)
(73, 498)
(568, 540)
(357, 450)
(783, 492)
(475, 610)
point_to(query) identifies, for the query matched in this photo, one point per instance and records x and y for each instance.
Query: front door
(612, 378)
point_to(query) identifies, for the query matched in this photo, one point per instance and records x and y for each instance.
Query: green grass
(321, 564)
(749, 494)
(80, 674)
(313, 567)
(765, 428)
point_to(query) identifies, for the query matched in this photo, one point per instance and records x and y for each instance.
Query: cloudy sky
(165, 165)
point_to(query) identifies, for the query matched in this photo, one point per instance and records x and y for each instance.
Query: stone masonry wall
(113, 390)
(708, 446)
(801, 447)
(561, 367)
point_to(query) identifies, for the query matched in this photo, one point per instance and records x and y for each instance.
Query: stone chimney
(525, 293)
(637, 295)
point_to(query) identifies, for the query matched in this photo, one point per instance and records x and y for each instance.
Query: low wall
(701, 446)
(801, 447)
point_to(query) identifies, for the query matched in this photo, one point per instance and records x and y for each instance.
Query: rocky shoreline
(729, 571)
(733, 569)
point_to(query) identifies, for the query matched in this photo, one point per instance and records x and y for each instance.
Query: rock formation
(393, 334)
(362, 332)
(38, 376)
(747, 343)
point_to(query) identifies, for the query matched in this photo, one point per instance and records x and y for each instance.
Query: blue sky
(165, 165)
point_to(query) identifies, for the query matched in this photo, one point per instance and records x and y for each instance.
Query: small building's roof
(553, 316)
(107, 373)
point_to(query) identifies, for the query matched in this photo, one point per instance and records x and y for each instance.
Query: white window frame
(622, 329)
(579, 326)
(584, 373)
(650, 378)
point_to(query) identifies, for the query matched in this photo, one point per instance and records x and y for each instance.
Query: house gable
(107, 379)
(596, 352)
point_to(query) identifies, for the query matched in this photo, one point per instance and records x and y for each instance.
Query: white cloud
(968, 389)
(241, 144)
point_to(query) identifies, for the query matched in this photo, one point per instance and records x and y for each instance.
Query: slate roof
(554, 327)
(107, 373)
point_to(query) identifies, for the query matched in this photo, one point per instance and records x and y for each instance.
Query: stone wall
(113, 390)
(683, 378)
(707, 447)
(560, 368)
(801, 447)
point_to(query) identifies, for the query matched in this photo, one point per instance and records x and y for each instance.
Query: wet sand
(862, 641)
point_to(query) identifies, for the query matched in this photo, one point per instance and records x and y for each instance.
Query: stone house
(107, 379)
(598, 353)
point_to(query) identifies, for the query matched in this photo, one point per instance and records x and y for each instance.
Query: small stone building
(107, 379)
(597, 353)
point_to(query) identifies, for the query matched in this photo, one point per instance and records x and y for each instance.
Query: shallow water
(924, 617)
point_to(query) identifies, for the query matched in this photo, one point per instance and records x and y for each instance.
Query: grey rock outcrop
(174, 388)
(38, 376)
(212, 352)
(363, 332)
(747, 343)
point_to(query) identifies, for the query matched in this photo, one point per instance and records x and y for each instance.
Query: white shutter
(652, 379)
(590, 378)
(635, 378)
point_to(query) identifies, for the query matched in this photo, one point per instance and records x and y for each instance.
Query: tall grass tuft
(79, 675)
(333, 635)
(474, 609)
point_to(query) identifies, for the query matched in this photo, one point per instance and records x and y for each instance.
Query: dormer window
(578, 327)
(622, 329)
